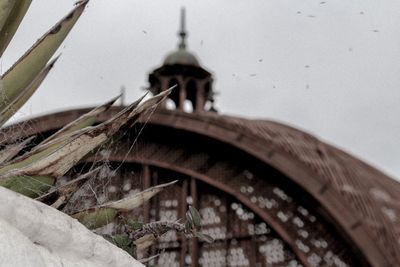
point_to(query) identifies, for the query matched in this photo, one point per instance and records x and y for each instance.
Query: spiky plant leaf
(5, 9)
(204, 237)
(57, 157)
(13, 106)
(49, 146)
(136, 200)
(10, 151)
(21, 74)
(36, 154)
(88, 119)
(96, 217)
(103, 214)
(30, 186)
(41, 167)
(58, 196)
(194, 217)
(12, 13)
(65, 135)
(57, 161)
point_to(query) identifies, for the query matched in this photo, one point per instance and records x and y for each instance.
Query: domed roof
(182, 57)
(362, 202)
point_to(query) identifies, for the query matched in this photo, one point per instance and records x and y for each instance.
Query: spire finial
(182, 32)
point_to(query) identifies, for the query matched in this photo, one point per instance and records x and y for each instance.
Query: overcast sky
(328, 67)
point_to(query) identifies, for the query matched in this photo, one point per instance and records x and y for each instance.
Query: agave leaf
(13, 106)
(55, 158)
(49, 146)
(64, 192)
(45, 150)
(103, 214)
(12, 150)
(10, 19)
(95, 218)
(153, 101)
(83, 121)
(41, 162)
(21, 74)
(39, 152)
(194, 217)
(204, 237)
(5, 9)
(131, 202)
(30, 186)
(79, 144)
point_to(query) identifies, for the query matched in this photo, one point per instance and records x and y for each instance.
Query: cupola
(193, 92)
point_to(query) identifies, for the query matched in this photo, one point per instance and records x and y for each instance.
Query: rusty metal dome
(181, 57)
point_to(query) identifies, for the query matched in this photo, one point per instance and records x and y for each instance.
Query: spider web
(103, 187)
(116, 179)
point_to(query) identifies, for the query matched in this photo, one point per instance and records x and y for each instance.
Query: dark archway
(175, 93)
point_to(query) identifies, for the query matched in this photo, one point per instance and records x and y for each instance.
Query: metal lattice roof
(361, 200)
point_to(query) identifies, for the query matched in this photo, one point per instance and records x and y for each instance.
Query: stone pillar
(163, 87)
(182, 93)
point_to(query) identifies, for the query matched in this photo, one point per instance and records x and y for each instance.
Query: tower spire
(182, 32)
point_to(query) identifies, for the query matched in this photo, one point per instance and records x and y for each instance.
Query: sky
(329, 67)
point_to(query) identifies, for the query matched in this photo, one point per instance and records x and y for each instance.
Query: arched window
(174, 96)
(155, 84)
(191, 90)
